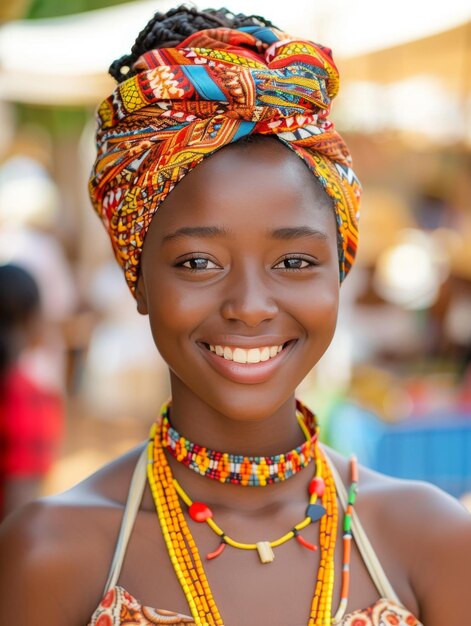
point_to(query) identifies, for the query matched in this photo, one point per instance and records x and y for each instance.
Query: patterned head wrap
(214, 88)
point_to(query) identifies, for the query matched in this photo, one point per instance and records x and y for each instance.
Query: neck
(266, 435)
(271, 434)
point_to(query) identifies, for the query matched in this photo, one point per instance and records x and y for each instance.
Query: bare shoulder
(438, 541)
(423, 532)
(56, 551)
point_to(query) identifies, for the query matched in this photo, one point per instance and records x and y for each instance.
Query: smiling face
(240, 279)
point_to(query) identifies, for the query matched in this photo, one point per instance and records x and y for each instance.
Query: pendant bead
(199, 512)
(315, 512)
(213, 555)
(265, 552)
(317, 486)
(304, 543)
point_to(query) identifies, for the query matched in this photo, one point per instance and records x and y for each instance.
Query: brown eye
(293, 263)
(198, 263)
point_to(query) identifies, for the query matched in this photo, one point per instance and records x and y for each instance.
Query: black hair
(19, 302)
(166, 30)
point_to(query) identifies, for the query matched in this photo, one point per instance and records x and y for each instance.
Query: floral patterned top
(119, 607)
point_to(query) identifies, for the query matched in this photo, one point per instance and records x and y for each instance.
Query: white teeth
(264, 354)
(253, 355)
(241, 355)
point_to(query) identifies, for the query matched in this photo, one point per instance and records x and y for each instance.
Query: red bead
(306, 544)
(317, 486)
(199, 512)
(217, 552)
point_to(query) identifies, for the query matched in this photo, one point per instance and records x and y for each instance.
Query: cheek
(174, 313)
(318, 308)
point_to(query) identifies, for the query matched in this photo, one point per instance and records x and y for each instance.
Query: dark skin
(56, 552)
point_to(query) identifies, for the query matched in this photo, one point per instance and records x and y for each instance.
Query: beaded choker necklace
(250, 471)
(186, 559)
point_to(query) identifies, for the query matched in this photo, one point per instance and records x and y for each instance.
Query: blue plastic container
(436, 448)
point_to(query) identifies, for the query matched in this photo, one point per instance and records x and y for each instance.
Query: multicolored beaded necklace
(200, 512)
(251, 471)
(186, 559)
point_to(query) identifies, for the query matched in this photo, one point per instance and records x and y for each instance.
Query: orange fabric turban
(214, 88)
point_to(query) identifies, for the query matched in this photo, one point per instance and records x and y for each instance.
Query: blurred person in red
(31, 416)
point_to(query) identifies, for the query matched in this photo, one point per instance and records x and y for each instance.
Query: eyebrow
(196, 231)
(297, 232)
(286, 233)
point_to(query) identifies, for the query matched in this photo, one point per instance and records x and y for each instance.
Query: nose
(248, 298)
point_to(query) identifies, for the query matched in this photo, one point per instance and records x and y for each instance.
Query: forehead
(260, 185)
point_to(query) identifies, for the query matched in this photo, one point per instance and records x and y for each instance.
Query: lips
(254, 369)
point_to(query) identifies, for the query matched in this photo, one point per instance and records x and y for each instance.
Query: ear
(141, 296)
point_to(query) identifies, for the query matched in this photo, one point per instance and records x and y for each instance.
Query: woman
(239, 275)
(31, 416)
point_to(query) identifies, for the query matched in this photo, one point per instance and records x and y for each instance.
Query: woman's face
(240, 264)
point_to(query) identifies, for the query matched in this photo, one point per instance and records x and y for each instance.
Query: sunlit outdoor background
(395, 386)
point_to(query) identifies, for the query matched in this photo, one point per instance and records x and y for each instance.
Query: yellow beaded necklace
(199, 512)
(186, 559)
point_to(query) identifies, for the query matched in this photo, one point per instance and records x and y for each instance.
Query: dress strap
(375, 569)
(136, 491)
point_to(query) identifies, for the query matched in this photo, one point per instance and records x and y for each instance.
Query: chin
(239, 402)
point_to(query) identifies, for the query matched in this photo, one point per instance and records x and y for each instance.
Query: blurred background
(395, 386)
